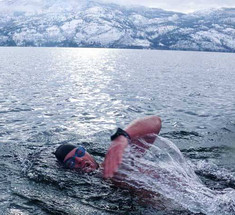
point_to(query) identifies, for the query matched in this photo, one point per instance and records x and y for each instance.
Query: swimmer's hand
(113, 157)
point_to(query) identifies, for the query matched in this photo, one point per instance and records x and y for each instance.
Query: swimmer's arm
(113, 157)
(138, 128)
(144, 127)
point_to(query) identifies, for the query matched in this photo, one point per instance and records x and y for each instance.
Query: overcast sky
(179, 5)
(185, 6)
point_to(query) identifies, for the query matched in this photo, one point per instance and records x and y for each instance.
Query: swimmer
(78, 158)
(150, 166)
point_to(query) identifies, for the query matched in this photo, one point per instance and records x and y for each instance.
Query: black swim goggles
(70, 162)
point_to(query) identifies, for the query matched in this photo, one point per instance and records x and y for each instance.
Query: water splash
(163, 170)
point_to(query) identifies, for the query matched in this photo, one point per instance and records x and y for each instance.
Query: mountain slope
(95, 24)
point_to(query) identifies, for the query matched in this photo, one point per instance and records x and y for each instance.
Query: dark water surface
(50, 96)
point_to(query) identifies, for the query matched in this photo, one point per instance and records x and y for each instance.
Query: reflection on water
(51, 96)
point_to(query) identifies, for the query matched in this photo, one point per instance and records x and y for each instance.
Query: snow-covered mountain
(95, 24)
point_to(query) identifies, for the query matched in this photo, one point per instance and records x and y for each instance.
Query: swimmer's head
(76, 158)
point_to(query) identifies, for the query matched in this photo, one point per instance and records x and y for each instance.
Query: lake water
(50, 96)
